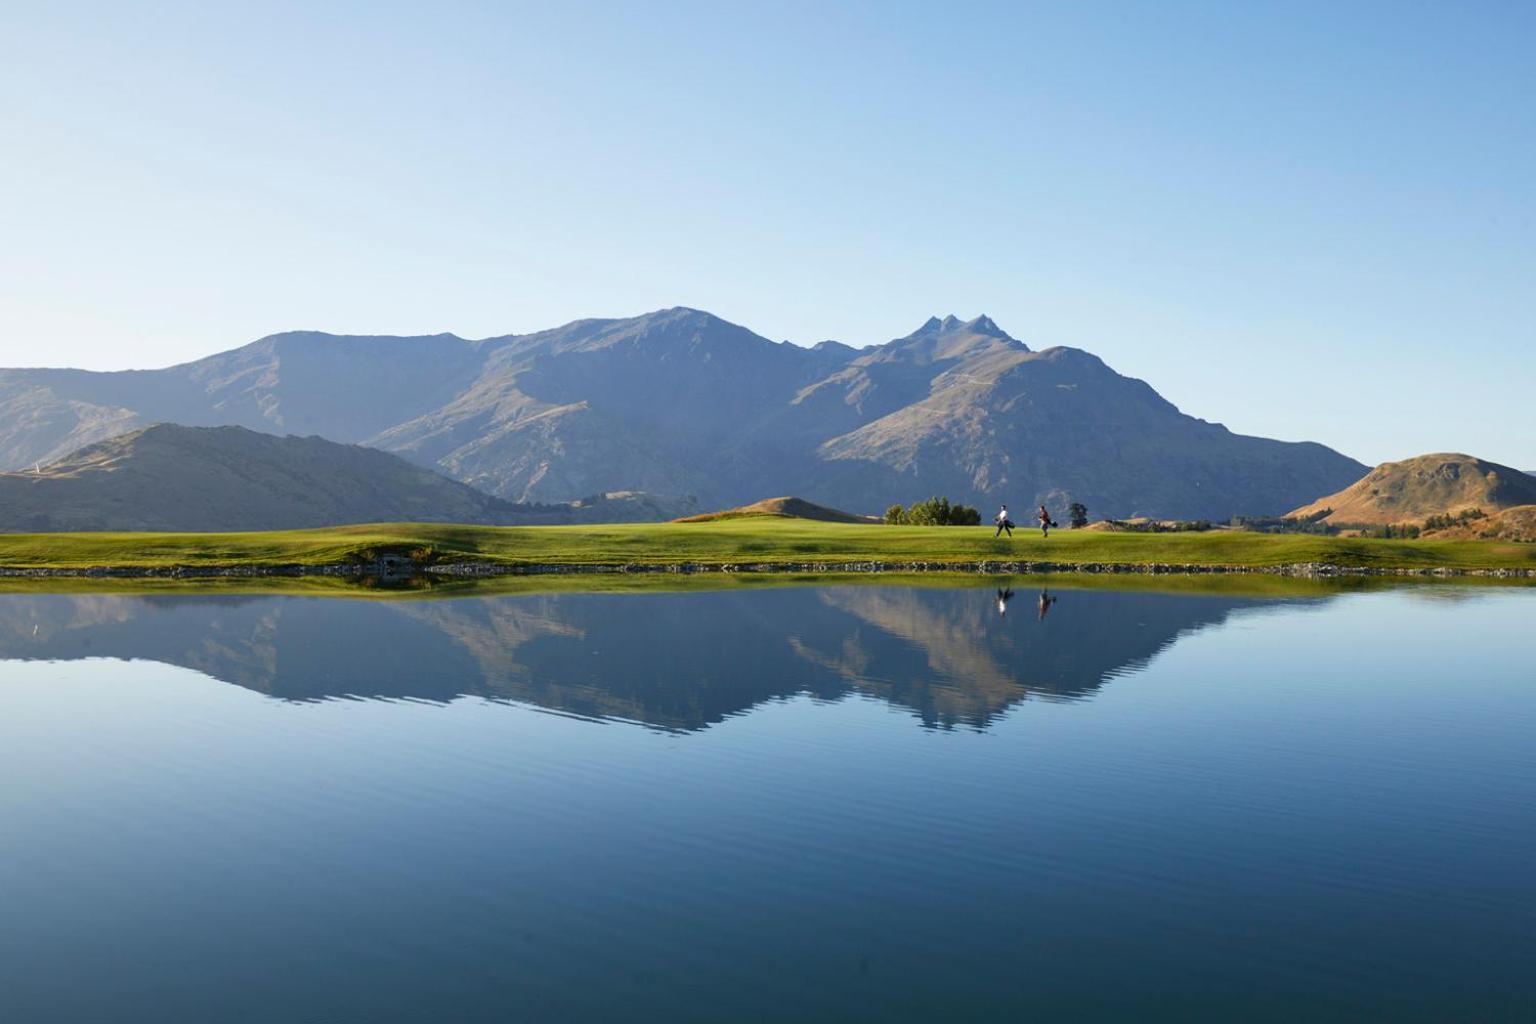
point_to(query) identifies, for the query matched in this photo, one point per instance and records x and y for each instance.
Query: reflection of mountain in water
(678, 661)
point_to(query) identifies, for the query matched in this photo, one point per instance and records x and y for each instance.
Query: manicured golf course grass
(765, 539)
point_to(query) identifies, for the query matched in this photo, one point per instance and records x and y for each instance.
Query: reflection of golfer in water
(1003, 597)
(1046, 600)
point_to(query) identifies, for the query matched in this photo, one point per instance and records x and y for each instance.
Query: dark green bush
(936, 511)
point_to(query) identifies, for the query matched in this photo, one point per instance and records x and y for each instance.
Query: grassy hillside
(1444, 483)
(767, 539)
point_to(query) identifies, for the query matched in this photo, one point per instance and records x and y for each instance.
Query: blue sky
(1302, 220)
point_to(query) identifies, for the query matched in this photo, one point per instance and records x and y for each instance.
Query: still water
(797, 803)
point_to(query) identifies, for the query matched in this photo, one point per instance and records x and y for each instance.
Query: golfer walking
(1003, 522)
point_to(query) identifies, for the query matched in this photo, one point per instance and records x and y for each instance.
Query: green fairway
(741, 541)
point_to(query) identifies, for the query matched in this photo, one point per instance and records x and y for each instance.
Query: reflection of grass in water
(1237, 585)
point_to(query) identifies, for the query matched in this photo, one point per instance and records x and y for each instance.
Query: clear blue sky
(1302, 220)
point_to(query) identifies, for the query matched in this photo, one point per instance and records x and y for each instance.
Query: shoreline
(491, 570)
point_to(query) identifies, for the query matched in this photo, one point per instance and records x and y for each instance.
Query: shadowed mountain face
(681, 402)
(952, 657)
(174, 478)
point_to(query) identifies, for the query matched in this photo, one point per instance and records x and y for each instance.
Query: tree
(1077, 515)
(935, 511)
(964, 515)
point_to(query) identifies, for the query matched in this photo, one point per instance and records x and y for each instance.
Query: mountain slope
(1059, 426)
(682, 402)
(342, 388)
(1428, 485)
(174, 478)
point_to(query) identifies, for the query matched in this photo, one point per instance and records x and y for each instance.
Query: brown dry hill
(784, 508)
(1429, 485)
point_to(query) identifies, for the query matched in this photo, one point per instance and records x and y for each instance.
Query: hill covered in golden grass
(1442, 484)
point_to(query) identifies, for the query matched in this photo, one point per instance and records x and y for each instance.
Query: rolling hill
(786, 508)
(175, 478)
(682, 402)
(1444, 483)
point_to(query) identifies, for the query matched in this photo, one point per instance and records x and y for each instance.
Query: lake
(1235, 800)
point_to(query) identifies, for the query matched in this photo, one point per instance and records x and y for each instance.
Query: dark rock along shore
(494, 569)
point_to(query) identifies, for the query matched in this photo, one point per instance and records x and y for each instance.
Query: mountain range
(680, 402)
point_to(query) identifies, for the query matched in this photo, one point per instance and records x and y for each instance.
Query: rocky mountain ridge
(682, 402)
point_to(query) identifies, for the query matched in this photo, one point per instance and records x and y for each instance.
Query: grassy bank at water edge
(738, 541)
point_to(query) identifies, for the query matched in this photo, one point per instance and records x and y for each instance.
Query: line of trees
(936, 511)
(1392, 531)
(1160, 525)
(1312, 524)
(1462, 518)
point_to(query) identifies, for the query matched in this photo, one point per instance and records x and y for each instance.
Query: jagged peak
(985, 325)
(950, 323)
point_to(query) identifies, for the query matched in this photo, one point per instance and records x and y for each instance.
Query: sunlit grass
(765, 539)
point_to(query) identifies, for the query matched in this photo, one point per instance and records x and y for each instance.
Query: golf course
(760, 543)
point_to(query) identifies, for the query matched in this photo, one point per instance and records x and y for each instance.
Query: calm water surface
(809, 803)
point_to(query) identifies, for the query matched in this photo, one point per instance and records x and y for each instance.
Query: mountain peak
(673, 401)
(933, 325)
(950, 324)
(986, 325)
